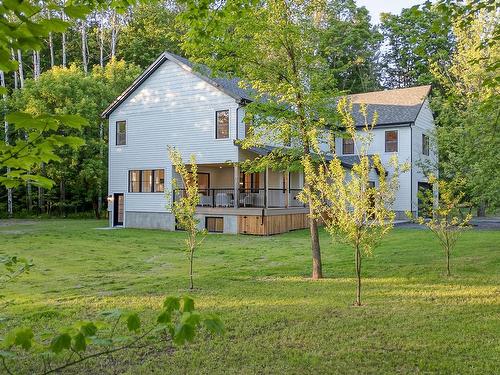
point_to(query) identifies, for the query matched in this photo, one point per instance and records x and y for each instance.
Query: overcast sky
(386, 6)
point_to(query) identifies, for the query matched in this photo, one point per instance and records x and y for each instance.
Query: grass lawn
(415, 319)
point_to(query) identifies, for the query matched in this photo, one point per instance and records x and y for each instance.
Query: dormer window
(222, 124)
(121, 133)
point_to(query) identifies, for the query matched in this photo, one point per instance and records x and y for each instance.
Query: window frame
(117, 123)
(141, 180)
(228, 124)
(344, 140)
(130, 182)
(396, 142)
(425, 145)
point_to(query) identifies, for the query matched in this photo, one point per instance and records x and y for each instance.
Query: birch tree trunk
(21, 86)
(113, 34)
(63, 42)
(51, 46)
(21, 70)
(10, 210)
(101, 40)
(84, 48)
(16, 82)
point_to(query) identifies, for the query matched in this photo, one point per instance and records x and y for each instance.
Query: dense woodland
(81, 70)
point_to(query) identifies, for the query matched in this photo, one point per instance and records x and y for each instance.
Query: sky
(375, 7)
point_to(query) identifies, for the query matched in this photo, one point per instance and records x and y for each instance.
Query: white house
(170, 104)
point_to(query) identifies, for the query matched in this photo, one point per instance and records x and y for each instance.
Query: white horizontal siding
(173, 107)
(424, 124)
(403, 196)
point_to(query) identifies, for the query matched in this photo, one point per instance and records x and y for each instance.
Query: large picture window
(391, 141)
(146, 181)
(347, 146)
(121, 133)
(222, 124)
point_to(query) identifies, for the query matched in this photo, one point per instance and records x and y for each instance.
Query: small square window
(222, 124)
(425, 144)
(214, 224)
(121, 133)
(347, 146)
(391, 141)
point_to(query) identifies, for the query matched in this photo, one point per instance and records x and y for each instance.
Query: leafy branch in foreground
(443, 213)
(184, 206)
(176, 324)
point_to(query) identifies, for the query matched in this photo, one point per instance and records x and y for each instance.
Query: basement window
(214, 224)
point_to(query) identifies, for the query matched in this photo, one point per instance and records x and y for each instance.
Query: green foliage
(150, 31)
(444, 215)
(184, 209)
(93, 339)
(352, 211)
(467, 111)
(415, 39)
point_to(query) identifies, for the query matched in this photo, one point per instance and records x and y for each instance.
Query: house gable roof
(228, 86)
(393, 107)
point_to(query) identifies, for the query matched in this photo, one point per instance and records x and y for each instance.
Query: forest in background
(80, 71)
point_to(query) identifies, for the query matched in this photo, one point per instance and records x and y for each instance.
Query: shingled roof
(226, 85)
(397, 106)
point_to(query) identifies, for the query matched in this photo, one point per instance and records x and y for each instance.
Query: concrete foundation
(149, 220)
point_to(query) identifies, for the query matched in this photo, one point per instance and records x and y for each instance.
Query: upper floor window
(425, 144)
(146, 181)
(222, 124)
(347, 146)
(391, 141)
(121, 133)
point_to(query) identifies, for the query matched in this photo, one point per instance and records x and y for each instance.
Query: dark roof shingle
(397, 106)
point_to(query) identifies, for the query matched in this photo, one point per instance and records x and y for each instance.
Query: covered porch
(224, 186)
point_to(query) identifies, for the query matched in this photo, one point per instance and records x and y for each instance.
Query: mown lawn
(415, 319)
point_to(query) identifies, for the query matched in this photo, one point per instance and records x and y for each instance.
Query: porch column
(286, 176)
(266, 187)
(236, 184)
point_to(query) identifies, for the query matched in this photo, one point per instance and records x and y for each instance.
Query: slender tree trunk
(317, 268)
(16, 82)
(62, 198)
(63, 41)
(448, 271)
(6, 139)
(358, 275)
(101, 40)
(481, 210)
(113, 34)
(51, 45)
(21, 70)
(191, 259)
(84, 48)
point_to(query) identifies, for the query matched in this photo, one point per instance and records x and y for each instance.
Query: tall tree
(413, 40)
(150, 31)
(276, 49)
(351, 46)
(468, 111)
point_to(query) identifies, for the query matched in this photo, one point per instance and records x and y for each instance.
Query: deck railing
(246, 198)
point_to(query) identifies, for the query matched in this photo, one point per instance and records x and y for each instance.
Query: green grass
(415, 319)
